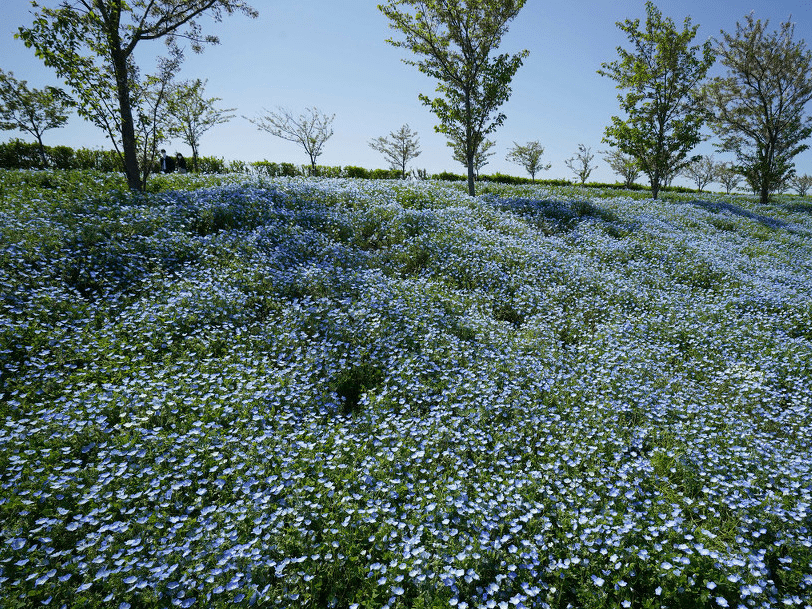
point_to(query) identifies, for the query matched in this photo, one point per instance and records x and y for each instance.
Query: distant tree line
(756, 110)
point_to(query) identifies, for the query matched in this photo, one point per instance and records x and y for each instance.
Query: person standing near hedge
(180, 163)
(167, 162)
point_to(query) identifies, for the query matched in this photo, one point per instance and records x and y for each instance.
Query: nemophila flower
(284, 387)
(598, 581)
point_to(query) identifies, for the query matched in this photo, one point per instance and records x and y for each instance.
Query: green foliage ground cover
(351, 393)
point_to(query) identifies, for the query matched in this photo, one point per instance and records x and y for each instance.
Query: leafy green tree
(758, 107)
(399, 148)
(623, 165)
(529, 157)
(194, 114)
(580, 163)
(90, 44)
(34, 111)
(455, 41)
(481, 157)
(661, 75)
(311, 129)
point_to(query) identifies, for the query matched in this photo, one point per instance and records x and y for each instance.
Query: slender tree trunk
(128, 142)
(469, 149)
(42, 152)
(194, 156)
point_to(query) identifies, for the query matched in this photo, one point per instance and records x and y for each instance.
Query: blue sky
(333, 55)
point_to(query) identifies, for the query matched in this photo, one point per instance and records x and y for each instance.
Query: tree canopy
(454, 41)
(661, 75)
(528, 156)
(90, 44)
(34, 111)
(758, 109)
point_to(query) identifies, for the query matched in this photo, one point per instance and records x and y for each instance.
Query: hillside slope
(352, 393)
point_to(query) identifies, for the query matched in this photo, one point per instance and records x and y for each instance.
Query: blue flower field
(341, 393)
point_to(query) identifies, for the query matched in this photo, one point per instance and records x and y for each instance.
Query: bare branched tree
(580, 163)
(729, 177)
(311, 129)
(801, 183)
(195, 114)
(702, 171)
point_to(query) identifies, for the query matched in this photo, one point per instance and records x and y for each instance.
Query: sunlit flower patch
(348, 393)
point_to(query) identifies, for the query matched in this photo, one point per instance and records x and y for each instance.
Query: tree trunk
(469, 151)
(128, 142)
(42, 155)
(655, 185)
(764, 195)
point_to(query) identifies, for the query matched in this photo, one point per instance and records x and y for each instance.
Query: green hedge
(17, 154)
(273, 170)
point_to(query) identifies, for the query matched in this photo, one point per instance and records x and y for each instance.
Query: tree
(34, 111)
(624, 165)
(311, 129)
(580, 163)
(399, 148)
(728, 177)
(702, 171)
(480, 158)
(195, 114)
(90, 44)
(758, 107)
(529, 157)
(151, 112)
(662, 74)
(801, 183)
(455, 40)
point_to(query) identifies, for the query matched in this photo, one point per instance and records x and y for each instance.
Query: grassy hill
(349, 393)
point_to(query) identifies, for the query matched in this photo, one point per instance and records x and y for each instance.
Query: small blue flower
(598, 581)
(18, 543)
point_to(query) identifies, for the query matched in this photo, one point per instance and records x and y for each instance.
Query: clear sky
(333, 55)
